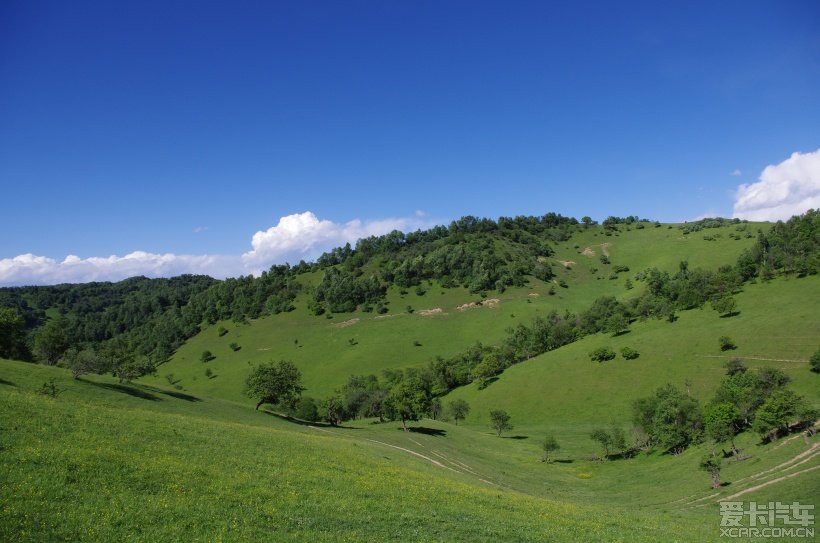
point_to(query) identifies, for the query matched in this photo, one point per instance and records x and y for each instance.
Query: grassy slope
(327, 359)
(775, 322)
(104, 462)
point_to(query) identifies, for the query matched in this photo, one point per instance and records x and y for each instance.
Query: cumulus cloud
(789, 188)
(295, 237)
(736, 173)
(305, 236)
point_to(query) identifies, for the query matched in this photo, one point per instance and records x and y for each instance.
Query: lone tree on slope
(277, 384)
(500, 421)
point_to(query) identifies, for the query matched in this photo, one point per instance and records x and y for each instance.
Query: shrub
(814, 361)
(726, 343)
(734, 366)
(206, 356)
(306, 410)
(209, 373)
(234, 347)
(49, 388)
(222, 331)
(602, 354)
(629, 353)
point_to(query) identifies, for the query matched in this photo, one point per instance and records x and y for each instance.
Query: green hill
(326, 358)
(182, 455)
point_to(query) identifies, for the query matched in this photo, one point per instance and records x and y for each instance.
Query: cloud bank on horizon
(785, 189)
(789, 188)
(295, 237)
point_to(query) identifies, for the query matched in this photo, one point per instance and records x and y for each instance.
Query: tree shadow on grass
(562, 461)
(427, 431)
(729, 315)
(487, 382)
(301, 422)
(9, 383)
(515, 437)
(180, 395)
(174, 394)
(125, 389)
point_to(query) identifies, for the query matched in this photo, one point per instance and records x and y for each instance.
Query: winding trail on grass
(768, 483)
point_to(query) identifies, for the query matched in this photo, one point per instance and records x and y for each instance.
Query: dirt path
(768, 483)
(750, 358)
(801, 458)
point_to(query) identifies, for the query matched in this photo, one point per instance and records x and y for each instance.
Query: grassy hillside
(104, 462)
(775, 327)
(326, 358)
(183, 456)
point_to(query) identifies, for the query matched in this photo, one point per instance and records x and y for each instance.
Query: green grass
(564, 388)
(105, 461)
(101, 463)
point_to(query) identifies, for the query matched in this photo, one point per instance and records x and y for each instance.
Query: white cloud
(33, 269)
(305, 236)
(789, 188)
(295, 237)
(200, 229)
(736, 173)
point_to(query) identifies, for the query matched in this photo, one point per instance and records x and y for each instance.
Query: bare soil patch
(346, 323)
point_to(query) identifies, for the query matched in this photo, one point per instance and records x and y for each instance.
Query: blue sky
(185, 127)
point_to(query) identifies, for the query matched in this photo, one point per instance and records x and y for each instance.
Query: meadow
(181, 455)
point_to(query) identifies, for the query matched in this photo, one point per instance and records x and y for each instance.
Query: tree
(85, 361)
(333, 410)
(12, 335)
(814, 361)
(435, 409)
(459, 409)
(618, 439)
(500, 421)
(603, 438)
(617, 324)
(720, 423)
(206, 356)
(776, 413)
(549, 446)
(586, 221)
(276, 384)
(711, 464)
(127, 366)
(724, 306)
(51, 341)
(670, 417)
(409, 400)
(490, 366)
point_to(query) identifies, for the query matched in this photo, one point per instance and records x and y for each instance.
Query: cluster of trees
(148, 317)
(399, 396)
(759, 401)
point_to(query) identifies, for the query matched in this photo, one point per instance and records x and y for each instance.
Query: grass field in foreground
(103, 462)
